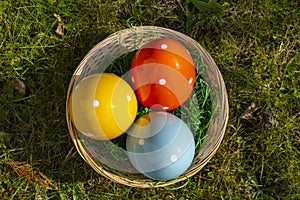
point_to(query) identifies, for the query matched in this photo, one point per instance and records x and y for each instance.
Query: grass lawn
(254, 43)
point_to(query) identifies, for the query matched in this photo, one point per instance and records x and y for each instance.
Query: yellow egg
(102, 106)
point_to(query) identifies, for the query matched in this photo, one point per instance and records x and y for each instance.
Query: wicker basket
(97, 153)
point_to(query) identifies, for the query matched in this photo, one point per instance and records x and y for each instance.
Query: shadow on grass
(34, 124)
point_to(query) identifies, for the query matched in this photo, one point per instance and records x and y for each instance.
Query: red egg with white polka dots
(163, 74)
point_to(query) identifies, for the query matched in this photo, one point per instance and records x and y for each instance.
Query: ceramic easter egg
(160, 145)
(102, 106)
(163, 74)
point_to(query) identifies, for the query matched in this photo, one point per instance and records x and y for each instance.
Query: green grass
(255, 45)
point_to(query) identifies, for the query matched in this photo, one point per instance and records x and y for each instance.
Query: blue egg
(160, 146)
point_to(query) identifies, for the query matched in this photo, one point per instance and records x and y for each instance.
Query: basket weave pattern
(119, 43)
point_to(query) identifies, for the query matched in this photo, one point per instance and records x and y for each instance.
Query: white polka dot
(166, 107)
(96, 103)
(173, 158)
(128, 97)
(164, 46)
(112, 106)
(191, 80)
(162, 81)
(91, 134)
(177, 64)
(141, 141)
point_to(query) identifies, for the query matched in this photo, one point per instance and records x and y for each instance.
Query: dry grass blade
(23, 169)
(18, 85)
(248, 113)
(60, 30)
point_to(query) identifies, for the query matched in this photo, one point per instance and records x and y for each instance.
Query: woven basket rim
(193, 169)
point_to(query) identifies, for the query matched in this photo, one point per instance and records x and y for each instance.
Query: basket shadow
(36, 131)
